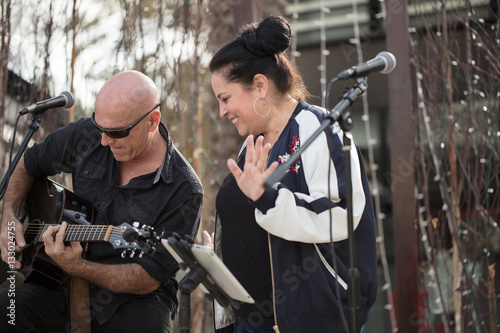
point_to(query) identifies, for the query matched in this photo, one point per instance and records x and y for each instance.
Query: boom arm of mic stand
(336, 114)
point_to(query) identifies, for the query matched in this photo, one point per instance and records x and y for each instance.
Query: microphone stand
(338, 114)
(33, 127)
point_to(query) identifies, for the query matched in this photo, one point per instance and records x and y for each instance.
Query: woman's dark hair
(260, 49)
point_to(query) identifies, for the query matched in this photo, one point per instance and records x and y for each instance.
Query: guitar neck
(78, 233)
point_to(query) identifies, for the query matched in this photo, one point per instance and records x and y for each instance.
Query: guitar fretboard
(74, 233)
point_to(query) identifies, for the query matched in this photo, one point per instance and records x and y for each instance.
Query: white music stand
(204, 268)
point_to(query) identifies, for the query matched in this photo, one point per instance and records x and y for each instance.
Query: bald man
(123, 161)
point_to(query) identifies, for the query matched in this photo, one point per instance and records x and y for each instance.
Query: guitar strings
(33, 234)
(73, 232)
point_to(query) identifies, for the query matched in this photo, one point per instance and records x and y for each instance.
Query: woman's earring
(268, 111)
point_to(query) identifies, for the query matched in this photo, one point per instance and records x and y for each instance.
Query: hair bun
(271, 36)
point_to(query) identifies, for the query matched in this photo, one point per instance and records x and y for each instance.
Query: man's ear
(154, 120)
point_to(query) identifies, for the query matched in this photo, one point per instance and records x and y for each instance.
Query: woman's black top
(245, 249)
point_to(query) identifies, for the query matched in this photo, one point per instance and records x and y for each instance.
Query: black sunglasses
(120, 132)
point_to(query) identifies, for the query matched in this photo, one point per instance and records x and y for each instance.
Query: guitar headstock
(132, 239)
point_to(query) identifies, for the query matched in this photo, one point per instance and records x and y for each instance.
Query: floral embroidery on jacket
(293, 147)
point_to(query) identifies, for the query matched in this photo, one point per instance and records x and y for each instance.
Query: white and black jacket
(309, 291)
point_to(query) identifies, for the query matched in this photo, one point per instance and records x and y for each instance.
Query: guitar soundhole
(33, 231)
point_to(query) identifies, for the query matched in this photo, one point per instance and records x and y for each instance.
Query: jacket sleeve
(311, 215)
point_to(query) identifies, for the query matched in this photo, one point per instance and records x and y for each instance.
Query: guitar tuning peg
(124, 253)
(132, 253)
(141, 254)
(135, 224)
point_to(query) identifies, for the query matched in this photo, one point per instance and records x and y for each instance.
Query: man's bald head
(130, 92)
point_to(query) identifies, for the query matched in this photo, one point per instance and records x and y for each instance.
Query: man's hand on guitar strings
(68, 257)
(11, 239)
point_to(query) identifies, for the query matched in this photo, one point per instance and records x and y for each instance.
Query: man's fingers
(5, 254)
(61, 232)
(12, 234)
(20, 242)
(47, 236)
(76, 247)
(11, 241)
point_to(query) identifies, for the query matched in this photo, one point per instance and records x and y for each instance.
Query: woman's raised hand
(251, 179)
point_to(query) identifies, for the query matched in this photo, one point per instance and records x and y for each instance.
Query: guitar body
(38, 267)
(49, 202)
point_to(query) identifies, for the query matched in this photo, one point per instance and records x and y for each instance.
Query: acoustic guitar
(49, 203)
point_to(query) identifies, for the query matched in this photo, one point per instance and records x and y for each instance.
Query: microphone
(384, 62)
(65, 99)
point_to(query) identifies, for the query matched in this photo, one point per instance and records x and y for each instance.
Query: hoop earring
(268, 111)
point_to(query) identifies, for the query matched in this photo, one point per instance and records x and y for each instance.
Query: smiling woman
(288, 231)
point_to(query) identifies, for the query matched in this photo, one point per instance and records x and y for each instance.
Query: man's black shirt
(169, 199)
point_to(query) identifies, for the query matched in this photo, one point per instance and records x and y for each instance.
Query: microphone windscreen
(69, 98)
(390, 61)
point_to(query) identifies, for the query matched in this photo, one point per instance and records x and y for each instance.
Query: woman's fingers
(257, 153)
(250, 150)
(258, 150)
(263, 157)
(234, 168)
(251, 179)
